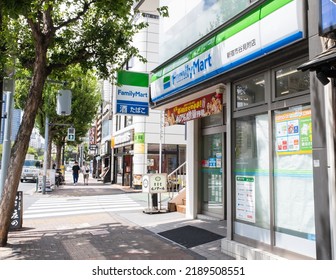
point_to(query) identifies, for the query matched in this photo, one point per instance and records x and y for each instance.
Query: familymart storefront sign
(256, 34)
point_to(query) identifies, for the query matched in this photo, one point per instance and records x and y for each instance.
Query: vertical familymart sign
(132, 96)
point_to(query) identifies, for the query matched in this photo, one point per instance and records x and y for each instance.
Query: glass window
(118, 122)
(212, 120)
(205, 15)
(252, 170)
(106, 128)
(289, 81)
(172, 157)
(293, 172)
(128, 120)
(250, 91)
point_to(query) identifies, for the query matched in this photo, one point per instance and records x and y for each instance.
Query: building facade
(260, 161)
(133, 145)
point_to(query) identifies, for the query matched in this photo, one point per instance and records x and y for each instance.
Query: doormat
(189, 236)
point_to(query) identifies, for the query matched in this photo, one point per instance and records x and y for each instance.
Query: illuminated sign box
(327, 25)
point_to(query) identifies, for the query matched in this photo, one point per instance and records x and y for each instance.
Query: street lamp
(63, 108)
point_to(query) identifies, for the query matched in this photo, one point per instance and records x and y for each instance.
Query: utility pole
(8, 88)
(46, 140)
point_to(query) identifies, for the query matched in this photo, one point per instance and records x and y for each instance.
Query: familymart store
(250, 163)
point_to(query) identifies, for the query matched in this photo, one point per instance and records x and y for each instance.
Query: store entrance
(212, 175)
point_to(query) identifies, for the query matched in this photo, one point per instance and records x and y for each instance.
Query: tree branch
(86, 7)
(80, 56)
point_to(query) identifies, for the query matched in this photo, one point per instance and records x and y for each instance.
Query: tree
(85, 98)
(51, 35)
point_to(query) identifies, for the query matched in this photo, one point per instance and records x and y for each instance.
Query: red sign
(92, 135)
(205, 106)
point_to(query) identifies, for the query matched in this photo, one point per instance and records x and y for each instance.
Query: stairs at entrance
(181, 207)
(178, 203)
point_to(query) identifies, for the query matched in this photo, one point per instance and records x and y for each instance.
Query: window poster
(245, 198)
(293, 132)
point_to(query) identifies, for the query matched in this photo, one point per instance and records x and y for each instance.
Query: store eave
(326, 58)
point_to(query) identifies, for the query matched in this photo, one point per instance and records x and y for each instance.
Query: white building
(141, 144)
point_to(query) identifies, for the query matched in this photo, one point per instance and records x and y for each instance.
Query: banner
(132, 96)
(205, 106)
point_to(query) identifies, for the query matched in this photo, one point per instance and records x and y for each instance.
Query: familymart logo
(166, 82)
(188, 71)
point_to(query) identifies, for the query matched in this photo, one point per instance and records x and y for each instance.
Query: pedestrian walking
(86, 173)
(75, 172)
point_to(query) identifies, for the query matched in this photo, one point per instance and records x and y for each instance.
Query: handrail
(178, 168)
(179, 182)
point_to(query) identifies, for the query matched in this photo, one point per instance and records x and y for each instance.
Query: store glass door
(212, 176)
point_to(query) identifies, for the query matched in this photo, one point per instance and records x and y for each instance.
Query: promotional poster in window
(205, 106)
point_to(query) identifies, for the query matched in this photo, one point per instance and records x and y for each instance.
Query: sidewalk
(126, 235)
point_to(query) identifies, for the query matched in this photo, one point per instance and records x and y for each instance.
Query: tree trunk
(21, 144)
(59, 155)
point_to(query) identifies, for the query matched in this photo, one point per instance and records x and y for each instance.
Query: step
(171, 206)
(181, 208)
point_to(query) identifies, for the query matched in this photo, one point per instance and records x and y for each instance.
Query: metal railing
(177, 179)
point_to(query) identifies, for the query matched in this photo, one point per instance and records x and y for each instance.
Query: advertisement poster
(245, 198)
(205, 106)
(293, 132)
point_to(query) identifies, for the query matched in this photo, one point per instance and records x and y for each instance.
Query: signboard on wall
(139, 143)
(132, 96)
(247, 39)
(92, 135)
(204, 106)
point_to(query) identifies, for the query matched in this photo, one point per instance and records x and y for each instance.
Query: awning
(326, 58)
(324, 64)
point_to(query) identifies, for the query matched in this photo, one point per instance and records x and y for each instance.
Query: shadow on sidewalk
(111, 241)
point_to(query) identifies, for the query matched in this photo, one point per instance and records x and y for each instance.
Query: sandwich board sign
(132, 96)
(154, 183)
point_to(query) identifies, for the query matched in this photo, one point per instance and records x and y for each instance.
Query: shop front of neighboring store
(172, 156)
(105, 162)
(255, 157)
(123, 158)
